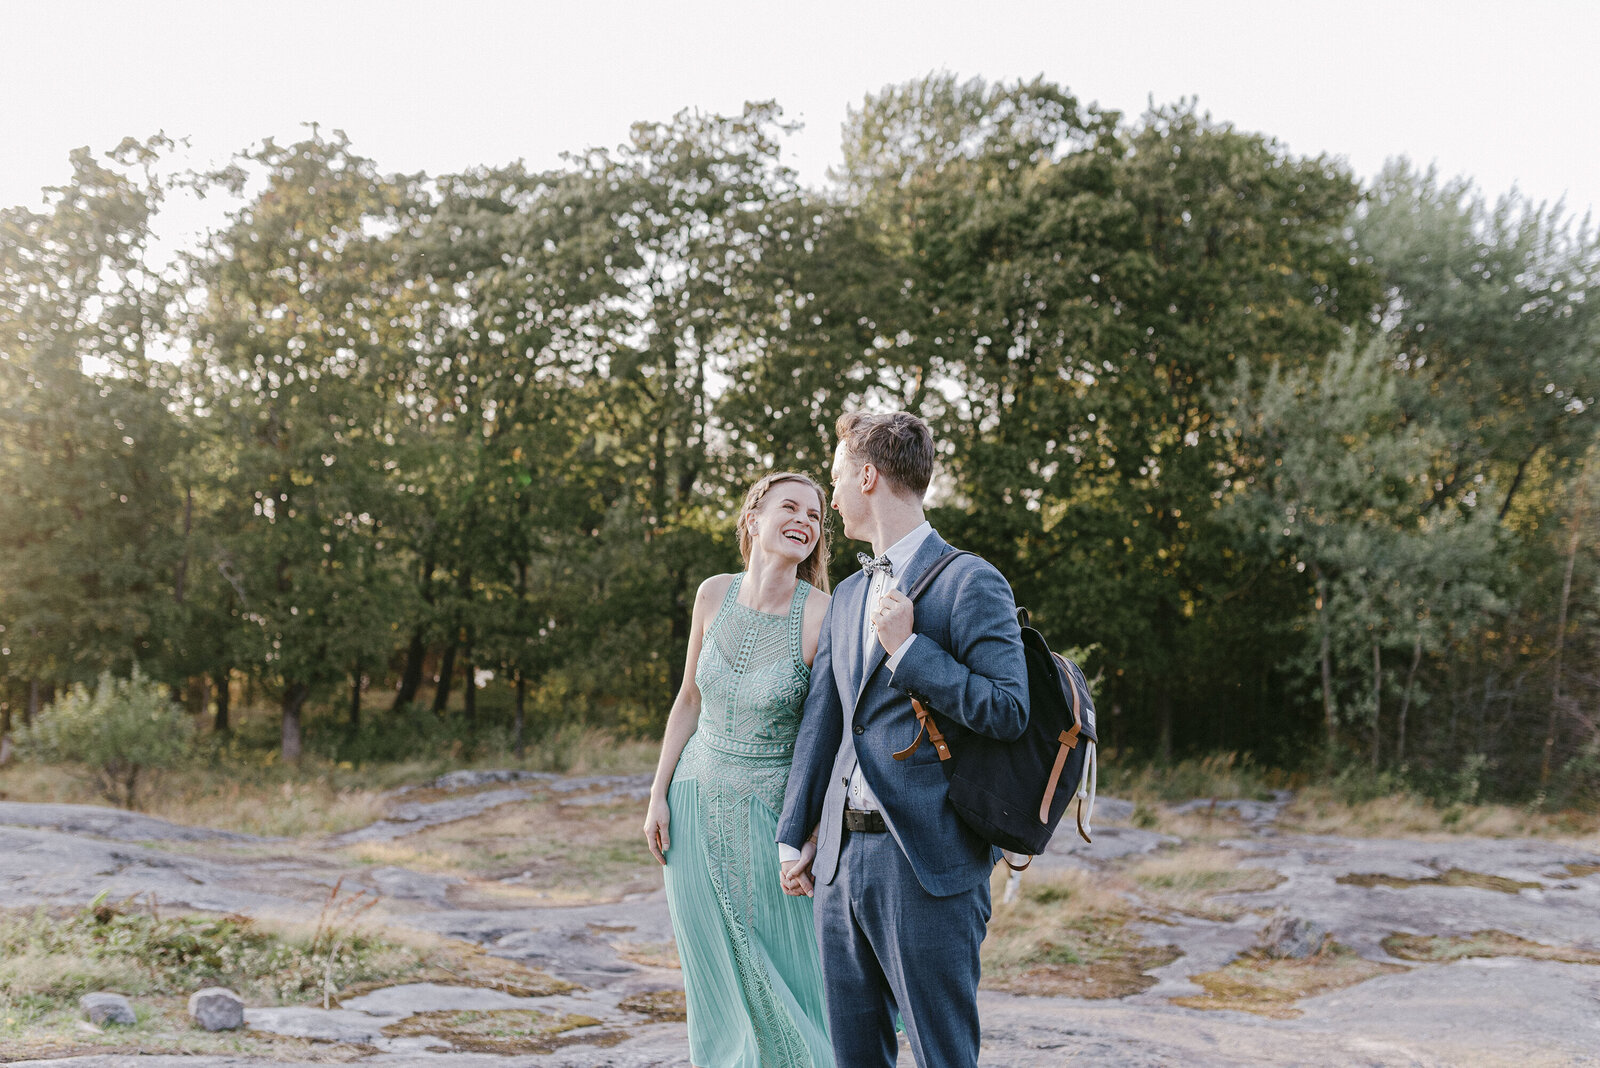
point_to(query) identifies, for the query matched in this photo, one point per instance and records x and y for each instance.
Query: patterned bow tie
(869, 565)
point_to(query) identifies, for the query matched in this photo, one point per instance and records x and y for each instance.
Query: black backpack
(1011, 793)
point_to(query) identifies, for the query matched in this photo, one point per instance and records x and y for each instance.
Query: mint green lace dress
(748, 950)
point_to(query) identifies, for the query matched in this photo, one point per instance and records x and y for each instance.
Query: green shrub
(121, 731)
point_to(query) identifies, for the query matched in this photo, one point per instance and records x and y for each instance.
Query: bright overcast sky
(1504, 93)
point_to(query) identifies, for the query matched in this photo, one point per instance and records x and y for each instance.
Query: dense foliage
(1305, 466)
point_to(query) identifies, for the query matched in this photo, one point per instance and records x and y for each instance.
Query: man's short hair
(898, 444)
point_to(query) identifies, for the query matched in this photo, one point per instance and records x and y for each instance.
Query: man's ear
(869, 478)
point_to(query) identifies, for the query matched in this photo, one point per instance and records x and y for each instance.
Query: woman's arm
(682, 720)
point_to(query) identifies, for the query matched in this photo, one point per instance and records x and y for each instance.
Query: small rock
(1293, 937)
(217, 1008)
(104, 1008)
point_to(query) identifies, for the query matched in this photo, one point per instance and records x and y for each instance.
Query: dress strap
(729, 598)
(797, 623)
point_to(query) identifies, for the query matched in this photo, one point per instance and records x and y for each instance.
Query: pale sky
(1501, 92)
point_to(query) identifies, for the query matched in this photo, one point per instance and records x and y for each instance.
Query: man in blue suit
(901, 884)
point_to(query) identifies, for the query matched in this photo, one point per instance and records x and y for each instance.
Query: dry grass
(502, 1031)
(1453, 877)
(649, 954)
(1317, 811)
(1067, 935)
(1189, 881)
(1434, 948)
(661, 1006)
(261, 801)
(1268, 986)
(47, 960)
(539, 852)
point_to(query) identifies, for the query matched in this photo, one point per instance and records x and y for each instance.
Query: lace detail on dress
(752, 679)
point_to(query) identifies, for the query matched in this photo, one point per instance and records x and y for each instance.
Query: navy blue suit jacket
(967, 659)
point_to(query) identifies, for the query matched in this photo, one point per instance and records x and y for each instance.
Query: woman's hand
(657, 824)
(796, 875)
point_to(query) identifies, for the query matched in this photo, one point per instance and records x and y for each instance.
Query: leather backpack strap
(925, 722)
(1068, 740)
(925, 726)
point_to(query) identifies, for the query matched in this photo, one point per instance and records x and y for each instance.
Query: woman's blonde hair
(814, 568)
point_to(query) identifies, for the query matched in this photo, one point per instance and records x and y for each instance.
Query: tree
(303, 313)
(87, 505)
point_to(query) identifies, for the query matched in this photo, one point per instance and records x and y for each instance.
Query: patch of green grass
(49, 958)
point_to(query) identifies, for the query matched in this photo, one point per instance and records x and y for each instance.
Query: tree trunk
(1325, 654)
(356, 678)
(223, 684)
(1164, 721)
(1405, 703)
(416, 651)
(411, 676)
(180, 580)
(31, 711)
(294, 698)
(469, 695)
(199, 695)
(447, 671)
(1546, 760)
(1377, 705)
(522, 700)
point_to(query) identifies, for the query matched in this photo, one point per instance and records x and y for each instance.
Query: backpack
(1010, 793)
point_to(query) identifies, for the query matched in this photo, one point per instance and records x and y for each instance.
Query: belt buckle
(866, 822)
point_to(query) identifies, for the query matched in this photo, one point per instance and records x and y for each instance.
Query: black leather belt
(869, 822)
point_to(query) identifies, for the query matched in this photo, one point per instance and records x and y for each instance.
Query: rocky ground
(612, 938)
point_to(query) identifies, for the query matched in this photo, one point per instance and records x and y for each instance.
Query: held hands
(657, 820)
(893, 618)
(795, 875)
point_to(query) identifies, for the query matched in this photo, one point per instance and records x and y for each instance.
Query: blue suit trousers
(887, 944)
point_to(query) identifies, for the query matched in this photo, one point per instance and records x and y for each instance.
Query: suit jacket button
(844, 780)
(861, 729)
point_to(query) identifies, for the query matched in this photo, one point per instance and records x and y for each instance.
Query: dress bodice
(753, 678)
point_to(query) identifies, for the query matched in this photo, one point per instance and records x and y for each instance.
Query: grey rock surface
(57, 868)
(217, 1008)
(411, 817)
(110, 823)
(468, 779)
(1560, 911)
(1499, 1011)
(103, 1008)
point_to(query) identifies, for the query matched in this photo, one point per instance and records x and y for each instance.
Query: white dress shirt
(900, 555)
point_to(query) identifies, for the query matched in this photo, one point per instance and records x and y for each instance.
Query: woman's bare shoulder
(714, 588)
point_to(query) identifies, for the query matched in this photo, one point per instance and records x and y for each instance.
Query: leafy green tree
(1338, 487)
(1081, 287)
(87, 506)
(122, 731)
(303, 313)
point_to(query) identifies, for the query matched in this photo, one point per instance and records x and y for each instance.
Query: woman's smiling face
(789, 522)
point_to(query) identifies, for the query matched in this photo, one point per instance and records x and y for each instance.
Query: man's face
(848, 500)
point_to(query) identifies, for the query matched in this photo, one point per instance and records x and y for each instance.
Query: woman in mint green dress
(748, 949)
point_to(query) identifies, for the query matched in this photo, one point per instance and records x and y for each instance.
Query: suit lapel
(852, 602)
(931, 549)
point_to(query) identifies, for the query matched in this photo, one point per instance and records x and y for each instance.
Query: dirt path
(541, 871)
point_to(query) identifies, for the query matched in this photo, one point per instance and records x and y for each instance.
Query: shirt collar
(901, 552)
